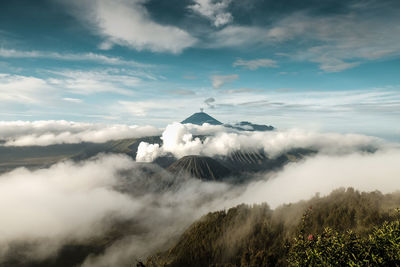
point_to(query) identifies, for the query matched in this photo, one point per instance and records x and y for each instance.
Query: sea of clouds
(75, 202)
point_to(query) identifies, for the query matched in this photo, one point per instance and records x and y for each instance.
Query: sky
(319, 65)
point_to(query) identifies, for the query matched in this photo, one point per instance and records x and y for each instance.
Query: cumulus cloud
(128, 23)
(256, 63)
(215, 11)
(43, 133)
(178, 139)
(219, 80)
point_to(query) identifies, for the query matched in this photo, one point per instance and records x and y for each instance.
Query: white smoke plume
(179, 140)
(43, 133)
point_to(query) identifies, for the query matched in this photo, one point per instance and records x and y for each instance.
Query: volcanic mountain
(201, 117)
(205, 168)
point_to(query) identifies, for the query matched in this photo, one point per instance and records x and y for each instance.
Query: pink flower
(310, 237)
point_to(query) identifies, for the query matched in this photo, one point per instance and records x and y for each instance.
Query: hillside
(258, 236)
(240, 161)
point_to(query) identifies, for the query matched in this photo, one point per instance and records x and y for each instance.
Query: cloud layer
(178, 140)
(322, 174)
(73, 203)
(128, 23)
(43, 133)
(256, 63)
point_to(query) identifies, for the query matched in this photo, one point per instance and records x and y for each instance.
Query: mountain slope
(201, 117)
(204, 168)
(241, 161)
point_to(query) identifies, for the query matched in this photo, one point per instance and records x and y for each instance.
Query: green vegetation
(332, 248)
(345, 228)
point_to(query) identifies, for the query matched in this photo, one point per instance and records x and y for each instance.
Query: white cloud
(148, 152)
(153, 108)
(237, 36)
(128, 23)
(73, 100)
(23, 89)
(37, 90)
(75, 203)
(344, 40)
(178, 140)
(91, 82)
(182, 92)
(256, 63)
(240, 90)
(99, 58)
(43, 133)
(65, 202)
(140, 108)
(215, 11)
(336, 42)
(322, 174)
(219, 80)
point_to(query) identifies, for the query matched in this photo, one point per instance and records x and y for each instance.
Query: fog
(324, 173)
(76, 202)
(43, 133)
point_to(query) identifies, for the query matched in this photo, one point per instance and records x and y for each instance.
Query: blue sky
(320, 65)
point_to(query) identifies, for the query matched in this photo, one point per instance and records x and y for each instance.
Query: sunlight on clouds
(128, 23)
(215, 11)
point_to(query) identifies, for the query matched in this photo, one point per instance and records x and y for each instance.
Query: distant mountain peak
(201, 117)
